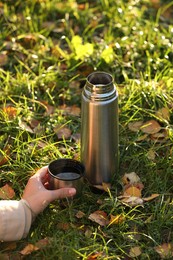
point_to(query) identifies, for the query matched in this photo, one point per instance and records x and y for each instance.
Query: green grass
(41, 63)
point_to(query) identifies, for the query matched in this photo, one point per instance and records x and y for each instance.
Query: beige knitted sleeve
(15, 219)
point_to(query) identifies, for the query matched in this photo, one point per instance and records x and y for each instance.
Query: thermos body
(99, 128)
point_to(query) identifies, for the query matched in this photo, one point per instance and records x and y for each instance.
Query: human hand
(36, 194)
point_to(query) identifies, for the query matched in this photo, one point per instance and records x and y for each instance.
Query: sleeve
(15, 219)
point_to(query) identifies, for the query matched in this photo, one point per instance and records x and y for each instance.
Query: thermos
(99, 128)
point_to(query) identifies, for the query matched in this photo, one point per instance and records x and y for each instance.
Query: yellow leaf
(150, 127)
(135, 251)
(108, 54)
(116, 219)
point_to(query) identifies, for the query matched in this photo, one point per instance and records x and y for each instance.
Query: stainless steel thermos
(99, 128)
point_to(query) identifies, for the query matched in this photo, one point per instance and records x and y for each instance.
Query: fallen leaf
(70, 110)
(131, 178)
(80, 214)
(160, 137)
(151, 155)
(88, 232)
(94, 256)
(116, 219)
(42, 243)
(135, 126)
(5, 155)
(9, 246)
(99, 217)
(62, 132)
(132, 201)
(24, 126)
(76, 137)
(3, 59)
(163, 114)
(27, 41)
(150, 127)
(142, 138)
(29, 249)
(63, 226)
(6, 192)
(165, 250)
(106, 186)
(133, 192)
(153, 196)
(135, 251)
(10, 111)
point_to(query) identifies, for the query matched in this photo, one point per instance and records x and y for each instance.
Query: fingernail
(72, 191)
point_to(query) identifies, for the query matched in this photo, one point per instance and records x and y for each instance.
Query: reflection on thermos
(99, 128)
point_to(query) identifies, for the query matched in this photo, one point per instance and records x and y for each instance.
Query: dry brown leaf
(88, 232)
(95, 256)
(5, 155)
(165, 250)
(99, 217)
(42, 243)
(160, 137)
(131, 178)
(150, 127)
(76, 137)
(3, 59)
(142, 138)
(62, 132)
(70, 110)
(6, 192)
(24, 126)
(106, 186)
(135, 126)
(63, 226)
(151, 155)
(116, 219)
(80, 214)
(163, 114)
(49, 110)
(131, 201)
(132, 191)
(153, 196)
(135, 251)
(10, 111)
(29, 249)
(27, 41)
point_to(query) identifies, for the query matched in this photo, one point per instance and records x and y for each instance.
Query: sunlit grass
(47, 50)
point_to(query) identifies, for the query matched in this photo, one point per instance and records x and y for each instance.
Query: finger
(62, 193)
(41, 173)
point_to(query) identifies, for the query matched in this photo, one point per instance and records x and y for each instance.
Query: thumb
(62, 193)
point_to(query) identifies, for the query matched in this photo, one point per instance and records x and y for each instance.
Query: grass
(43, 66)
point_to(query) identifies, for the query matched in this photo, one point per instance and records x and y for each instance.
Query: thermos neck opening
(99, 86)
(100, 78)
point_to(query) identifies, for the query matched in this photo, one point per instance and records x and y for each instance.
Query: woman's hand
(36, 194)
